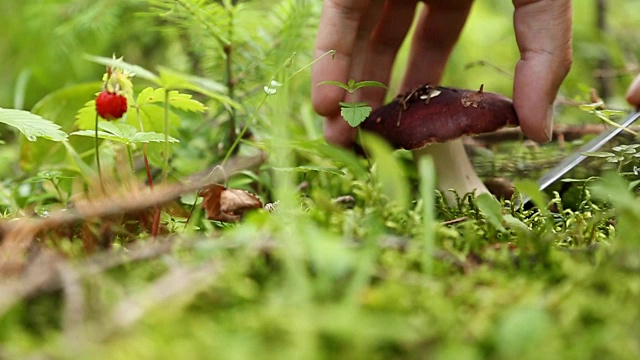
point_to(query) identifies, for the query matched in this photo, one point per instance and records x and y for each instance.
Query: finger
(387, 37)
(338, 30)
(543, 33)
(436, 33)
(633, 93)
(361, 48)
(336, 130)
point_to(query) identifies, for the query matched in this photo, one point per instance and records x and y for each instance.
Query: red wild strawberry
(110, 105)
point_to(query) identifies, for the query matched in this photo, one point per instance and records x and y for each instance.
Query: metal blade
(576, 158)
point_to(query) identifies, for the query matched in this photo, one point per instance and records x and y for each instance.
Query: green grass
(361, 258)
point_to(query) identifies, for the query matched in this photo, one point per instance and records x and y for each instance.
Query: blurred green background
(43, 42)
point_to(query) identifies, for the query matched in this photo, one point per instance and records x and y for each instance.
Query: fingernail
(548, 124)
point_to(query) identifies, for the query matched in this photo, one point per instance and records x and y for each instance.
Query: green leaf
(305, 169)
(591, 107)
(601, 154)
(118, 129)
(123, 133)
(604, 117)
(612, 113)
(61, 107)
(570, 180)
(492, 209)
(101, 134)
(516, 224)
(351, 86)
(531, 189)
(336, 83)
(368, 83)
(85, 117)
(151, 116)
(613, 188)
(176, 100)
(390, 172)
(139, 71)
(32, 126)
(626, 149)
(339, 156)
(175, 80)
(147, 137)
(355, 113)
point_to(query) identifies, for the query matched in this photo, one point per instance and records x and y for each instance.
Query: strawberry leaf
(176, 100)
(147, 137)
(123, 133)
(31, 125)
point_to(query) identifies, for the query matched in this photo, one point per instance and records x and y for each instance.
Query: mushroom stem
(454, 169)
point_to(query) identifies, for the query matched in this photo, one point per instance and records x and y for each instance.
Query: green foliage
(123, 133)
(60, 107)
(148, 111)
(621, 155)
(390, 173)
(31, 126)
(354, 112)
(358, 257)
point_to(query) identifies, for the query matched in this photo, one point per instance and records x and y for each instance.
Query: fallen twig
(44, 273)
(561, 133)
(181, 281)
(17, 234)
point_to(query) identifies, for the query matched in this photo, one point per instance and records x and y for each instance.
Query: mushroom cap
(438, 114)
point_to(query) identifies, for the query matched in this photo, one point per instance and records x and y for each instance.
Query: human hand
(367, 34)
(633, 93)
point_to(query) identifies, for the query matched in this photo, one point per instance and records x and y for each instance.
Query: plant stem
(57, 188)
(231, 92)
(130, 156)
(243, 131)
(330, 52)
(98, 155)
(264, 99)
(156, 209)
(165, 166)
(230, 82)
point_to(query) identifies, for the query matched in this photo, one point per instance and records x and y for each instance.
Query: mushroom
(432, 119)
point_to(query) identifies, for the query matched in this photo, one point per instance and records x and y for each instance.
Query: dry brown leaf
(227, 205)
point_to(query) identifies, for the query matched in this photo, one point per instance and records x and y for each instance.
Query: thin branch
(17, 234)
(181, 281)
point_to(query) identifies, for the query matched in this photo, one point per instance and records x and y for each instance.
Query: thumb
(543, 33)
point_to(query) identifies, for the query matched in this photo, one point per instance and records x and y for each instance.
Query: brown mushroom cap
(438, 114)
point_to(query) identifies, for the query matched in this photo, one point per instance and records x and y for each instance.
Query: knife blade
(577, 157)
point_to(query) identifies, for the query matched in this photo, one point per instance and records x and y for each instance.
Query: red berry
(111, 106)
